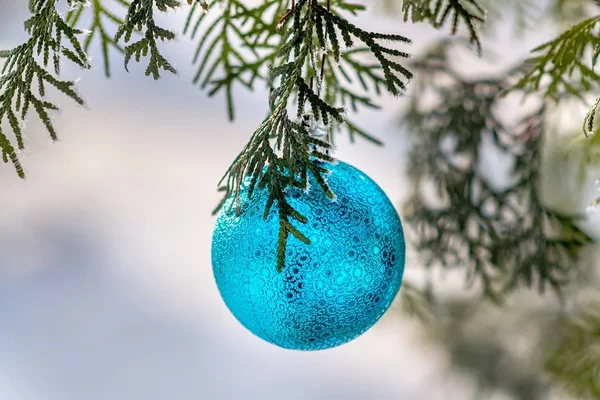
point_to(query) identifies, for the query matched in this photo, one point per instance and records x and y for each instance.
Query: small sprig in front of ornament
(282, 152)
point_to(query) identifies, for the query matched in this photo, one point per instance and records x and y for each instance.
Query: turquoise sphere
(330, 291)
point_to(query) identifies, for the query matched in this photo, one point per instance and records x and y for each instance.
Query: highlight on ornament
(330, 291)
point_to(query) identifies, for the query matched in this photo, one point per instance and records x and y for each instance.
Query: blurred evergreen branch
(526, 14)
(100, 13)
(24, 77)
(560, 66)
(569, 12)
(574, 351)
(479, 338)
(418, 302)
(237, 30)
(560, 58)
(562, 353)
(504, 237)
(437, 13)
(479, 353)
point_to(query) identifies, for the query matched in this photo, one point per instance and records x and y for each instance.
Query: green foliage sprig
(560, 59)
(140, 15)
(24, 77)
(238, 44)
(560, 67)
(313, 28)
(573, 359)
(504, 237)
(437, 13)
(97, 28)
(339, 87)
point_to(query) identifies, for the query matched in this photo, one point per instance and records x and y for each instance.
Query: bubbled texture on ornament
(330, 291)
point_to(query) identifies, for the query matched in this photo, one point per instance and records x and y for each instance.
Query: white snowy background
(106, 287)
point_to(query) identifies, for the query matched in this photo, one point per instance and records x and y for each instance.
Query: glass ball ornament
(330, 291)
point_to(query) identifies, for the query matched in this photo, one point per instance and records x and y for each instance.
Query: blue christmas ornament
(330, 291)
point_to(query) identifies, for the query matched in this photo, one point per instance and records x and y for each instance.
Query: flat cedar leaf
(437, 12)
(140, 16)
(561, 60)
(291, 229)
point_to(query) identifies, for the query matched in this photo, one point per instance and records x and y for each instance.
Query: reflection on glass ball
(330, 291)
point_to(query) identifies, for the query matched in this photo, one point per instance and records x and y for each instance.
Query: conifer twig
(32, 67)
(287, 162)
(100, 13)
(437, 12)
(140, 15)
(504, 237)
(287, 15)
